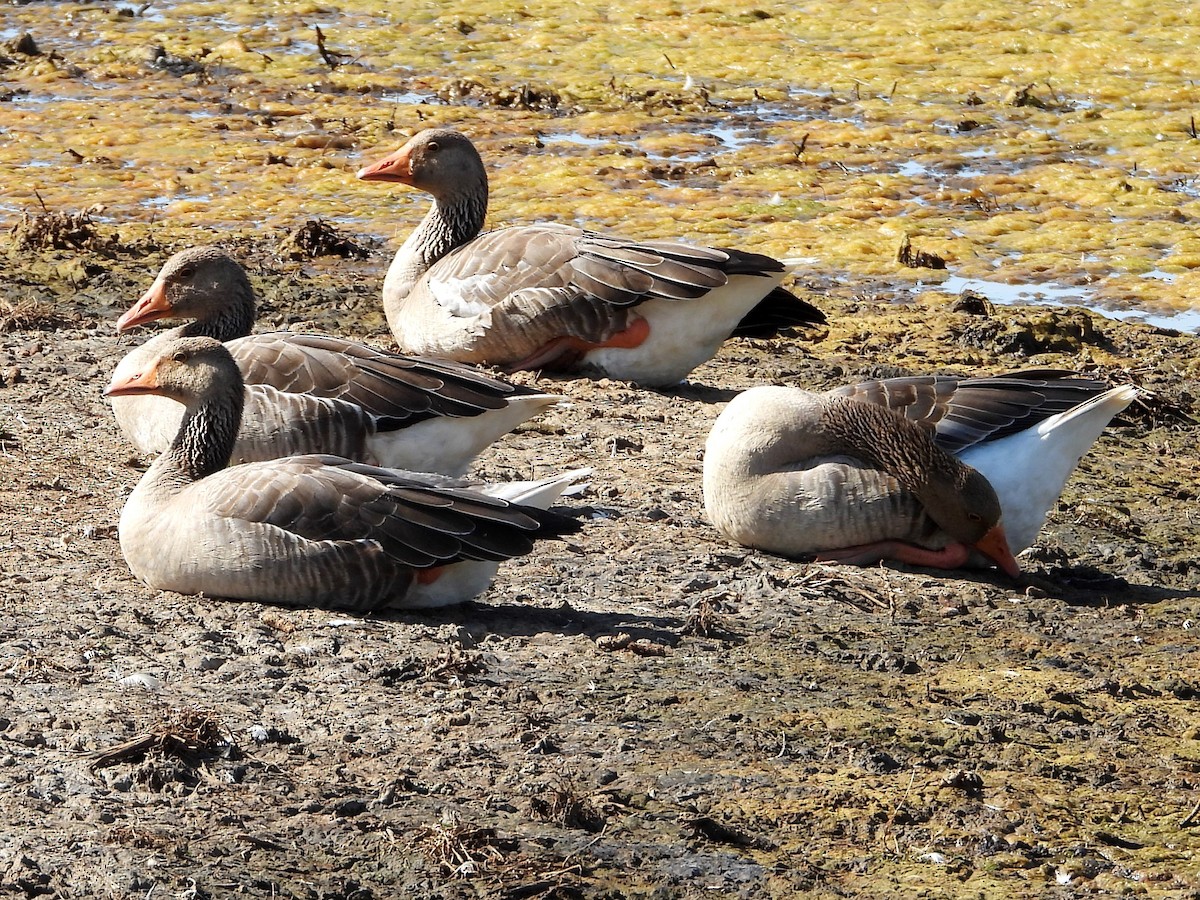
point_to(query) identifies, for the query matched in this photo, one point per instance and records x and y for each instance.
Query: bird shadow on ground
(692, 390)
(1089, 586)
(525, 621)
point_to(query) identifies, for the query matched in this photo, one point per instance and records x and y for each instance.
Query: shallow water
(1067, 295)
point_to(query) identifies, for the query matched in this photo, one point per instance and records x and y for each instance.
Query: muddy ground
(643, 711)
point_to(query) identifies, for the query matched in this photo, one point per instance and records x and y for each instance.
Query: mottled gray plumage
(818, 473)
(553, 296)
(860, 472)
(308, 393)
(313, 530)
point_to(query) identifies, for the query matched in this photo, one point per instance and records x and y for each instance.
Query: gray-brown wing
(967, 411)
(498, 264)
(617, 271)
(416, 521)
(386, 384)
(624, 273)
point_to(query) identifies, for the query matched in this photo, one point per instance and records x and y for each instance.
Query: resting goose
(314, 530)
(1026, 432)
(309, 393)
(558, 297)
(780, 477)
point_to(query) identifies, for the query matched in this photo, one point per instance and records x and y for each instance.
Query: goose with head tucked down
(557, 297)
(309, 393)
(932, 470)
(312, 530)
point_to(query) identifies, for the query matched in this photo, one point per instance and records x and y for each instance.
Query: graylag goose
(558, 297)
(309, 393)
(909, 469)
(312, 530)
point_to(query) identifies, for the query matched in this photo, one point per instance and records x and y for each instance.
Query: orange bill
(150, 307)
(994, 545)
(141, 381)
(395, 167)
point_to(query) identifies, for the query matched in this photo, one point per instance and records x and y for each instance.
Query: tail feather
(1092, 416)
(776, 311)
(539, 496)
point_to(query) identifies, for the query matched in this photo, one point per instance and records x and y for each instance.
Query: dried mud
(645, 711)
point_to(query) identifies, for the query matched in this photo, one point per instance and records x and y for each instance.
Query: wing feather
(963, 412)
(385, 384)
(415, 520)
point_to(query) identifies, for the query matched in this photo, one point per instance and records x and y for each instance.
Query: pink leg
(952, 556)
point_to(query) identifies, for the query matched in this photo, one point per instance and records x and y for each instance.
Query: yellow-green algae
(854, 123)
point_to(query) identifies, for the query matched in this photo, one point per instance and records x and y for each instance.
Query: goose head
(438, 161)
(202, 283)
(188, 370)
(964, 505)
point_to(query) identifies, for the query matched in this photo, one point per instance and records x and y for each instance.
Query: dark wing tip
(778, 310)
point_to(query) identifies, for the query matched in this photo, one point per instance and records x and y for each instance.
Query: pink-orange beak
(395, 167)
(994, 545)
(150, 307)
(143, 381)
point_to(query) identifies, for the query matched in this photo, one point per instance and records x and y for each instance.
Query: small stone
(143, 680)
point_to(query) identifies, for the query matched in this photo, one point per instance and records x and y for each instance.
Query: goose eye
(179, 356)
(975, 517)
(187, 271)
(433, 146)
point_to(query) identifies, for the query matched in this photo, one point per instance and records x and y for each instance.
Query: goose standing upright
(312, 530)
(308, 393)
(557, 297)
(779, 478)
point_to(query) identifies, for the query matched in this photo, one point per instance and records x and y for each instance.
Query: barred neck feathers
(959, 499)
(890, 442)
(208, 432)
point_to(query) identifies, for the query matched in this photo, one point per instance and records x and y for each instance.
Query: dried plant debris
(27, 314)
(463, 851)
(317, 237)
(562, 805)
(705, 620)
(51, 230)
(722, 833)
(521, 96)
(611, 643)
(1035, 331)
(917, 259)
(159, 58)
(186, 736)
(681, 171)
(497, 864)
(1023, 95)
(973, 304)
(34, 667)
(1171, 408)
(452, 664)
(332, 58)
